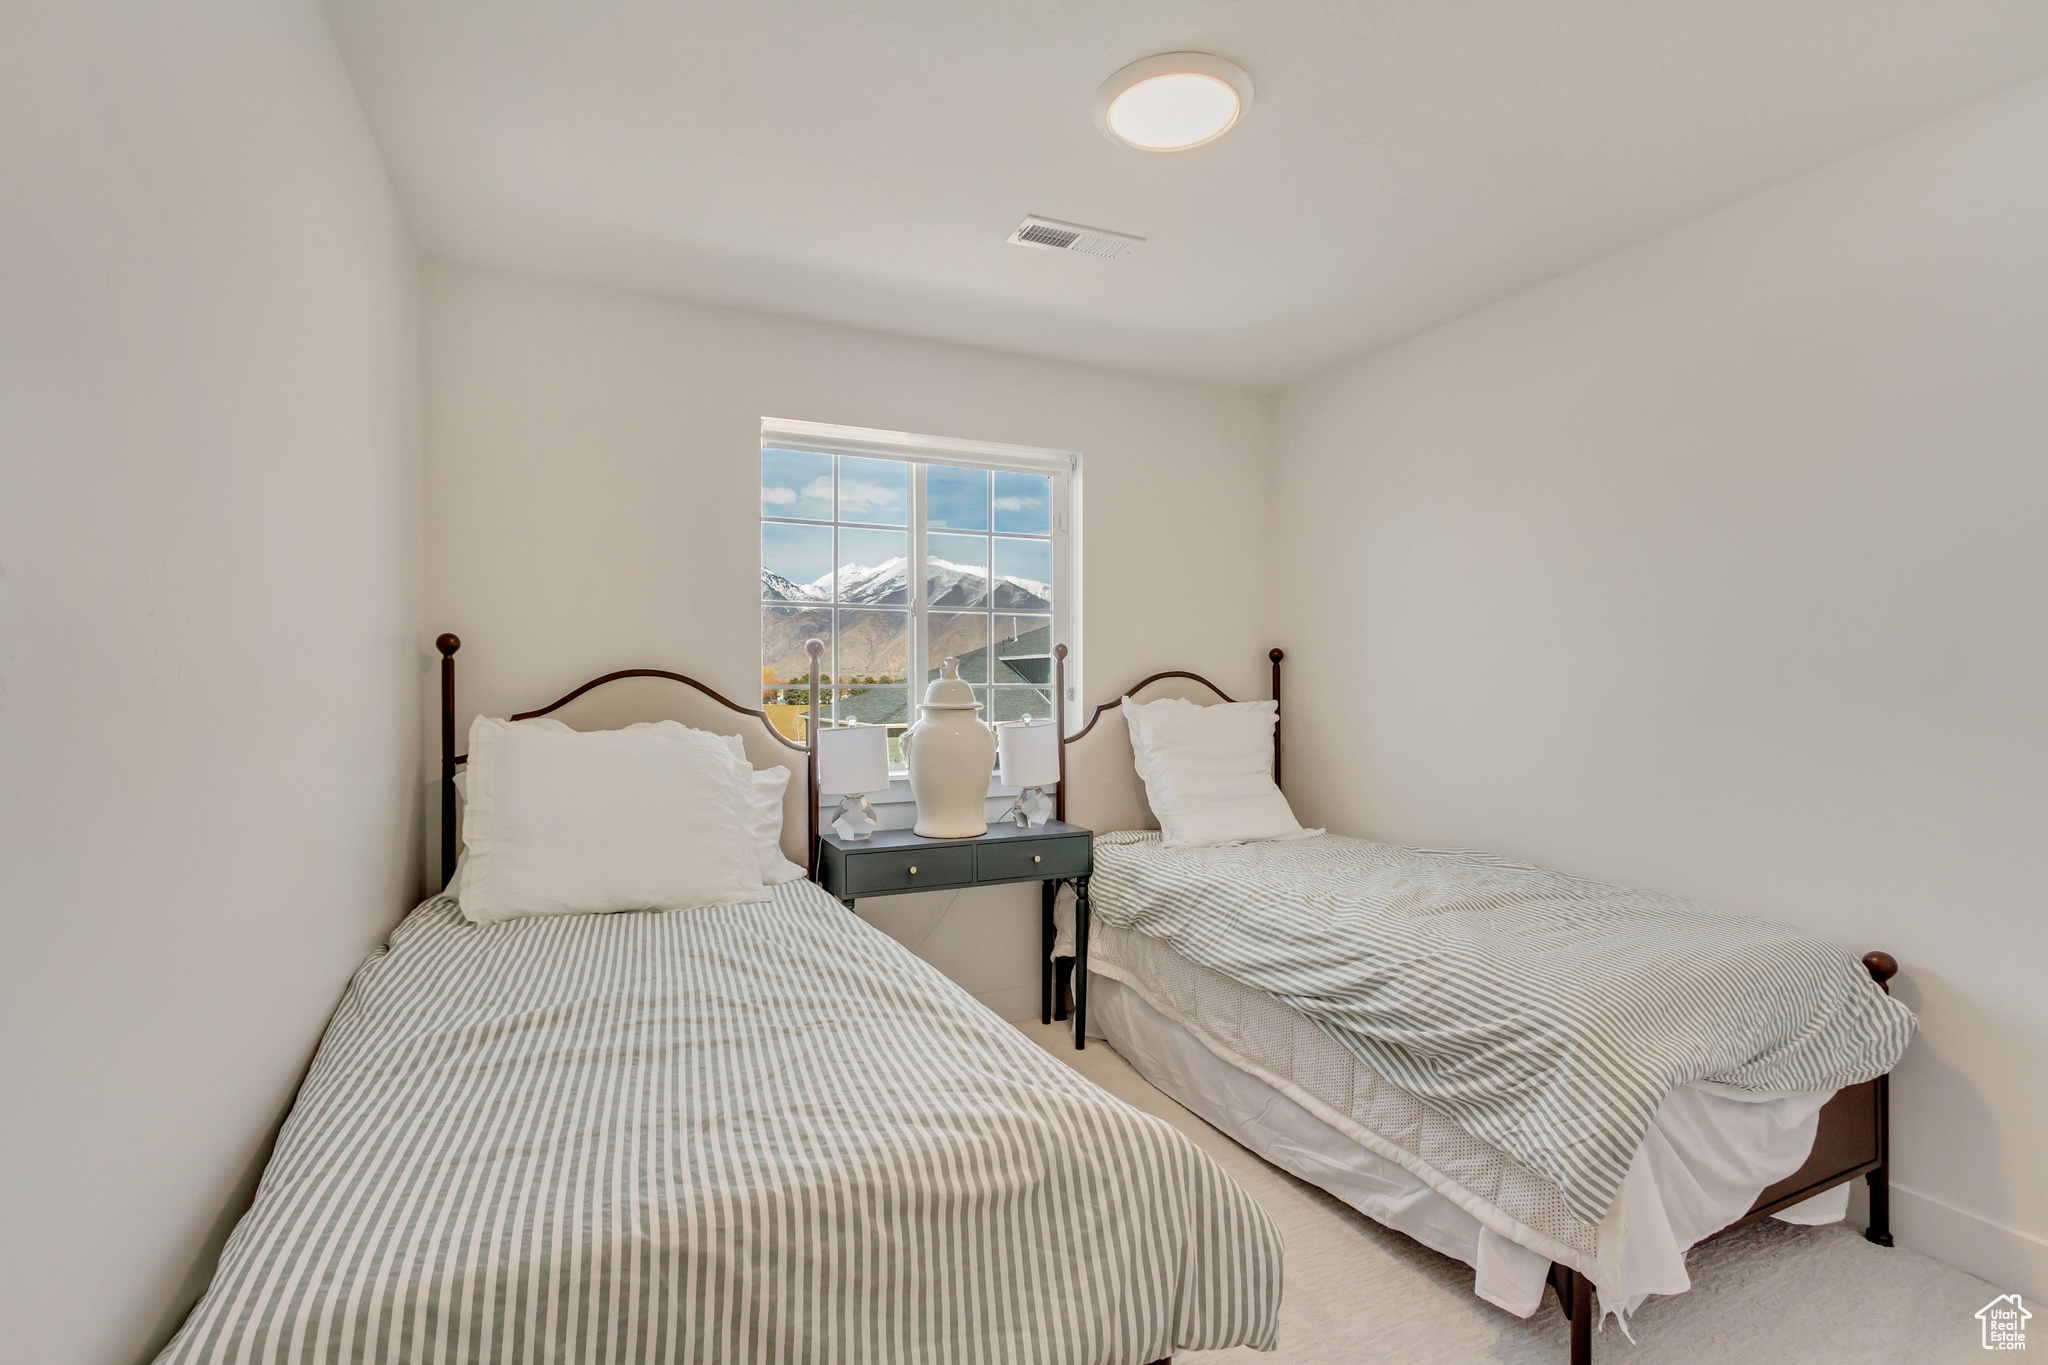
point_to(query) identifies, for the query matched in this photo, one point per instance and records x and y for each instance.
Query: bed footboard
(1854, 1139)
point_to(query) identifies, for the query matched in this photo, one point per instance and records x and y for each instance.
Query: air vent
(1049, 235)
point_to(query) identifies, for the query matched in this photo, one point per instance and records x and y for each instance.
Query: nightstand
(892, 861)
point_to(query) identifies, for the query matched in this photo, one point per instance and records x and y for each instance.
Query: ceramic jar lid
(948, 692)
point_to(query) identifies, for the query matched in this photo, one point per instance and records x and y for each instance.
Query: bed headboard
(632, 695)
(1099, 786)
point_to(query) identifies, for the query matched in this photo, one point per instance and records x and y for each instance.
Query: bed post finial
(447, 644)
(1882, 968)
(816, 649)
(1276, 655)
(1059, 726)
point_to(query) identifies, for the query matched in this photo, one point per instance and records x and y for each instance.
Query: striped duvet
(752, 1133)
(1543, 1014)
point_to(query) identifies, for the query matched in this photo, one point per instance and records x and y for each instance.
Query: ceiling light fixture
(1174, 101)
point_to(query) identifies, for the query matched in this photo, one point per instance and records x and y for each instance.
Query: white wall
(592, 495)
(1719, 567)
(209, 644)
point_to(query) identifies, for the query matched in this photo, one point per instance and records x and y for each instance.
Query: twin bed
(766, 1132)
(1559, 1082)
(757, 1132)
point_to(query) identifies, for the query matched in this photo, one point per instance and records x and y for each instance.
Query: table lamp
(853, 760)
(1028, 756)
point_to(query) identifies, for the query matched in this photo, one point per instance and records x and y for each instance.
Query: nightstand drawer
(1016, 859)
(908, 869)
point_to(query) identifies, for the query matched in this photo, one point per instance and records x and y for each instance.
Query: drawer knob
(1036, 859)
(913, 870)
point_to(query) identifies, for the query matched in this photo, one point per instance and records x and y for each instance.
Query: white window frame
(1064, 467)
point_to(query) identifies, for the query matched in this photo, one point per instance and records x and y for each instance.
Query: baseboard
(2010, 1259)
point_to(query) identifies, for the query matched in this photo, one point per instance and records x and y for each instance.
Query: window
(899, 552)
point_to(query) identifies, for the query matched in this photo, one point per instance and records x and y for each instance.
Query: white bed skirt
(1708, 1154)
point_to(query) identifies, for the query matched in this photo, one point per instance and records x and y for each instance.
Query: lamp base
(856, 819)
(1031, 809)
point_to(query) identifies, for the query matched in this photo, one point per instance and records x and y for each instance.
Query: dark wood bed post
(1059, 727)
(1575, 1296)
(1882, 968)
(1056, 980)
(816, 649)
(447, 644)
(1276, 656)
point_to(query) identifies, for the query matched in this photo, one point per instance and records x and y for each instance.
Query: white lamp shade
(1028, 753)
(853, 760)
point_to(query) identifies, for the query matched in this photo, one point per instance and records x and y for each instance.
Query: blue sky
(1030, 559)
(1023, 504)
(969, 552)
(869, 548)
(801, 554)
(956, 498)
(796, 483)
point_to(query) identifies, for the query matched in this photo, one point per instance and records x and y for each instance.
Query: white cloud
(820, 487)
(777, 497)
(1017, 504)
(855, 496)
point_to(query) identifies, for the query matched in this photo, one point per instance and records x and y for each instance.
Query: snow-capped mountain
(885, 585)
(776, 588)
(888, 584)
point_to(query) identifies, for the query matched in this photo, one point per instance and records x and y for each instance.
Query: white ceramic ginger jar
(951, 755)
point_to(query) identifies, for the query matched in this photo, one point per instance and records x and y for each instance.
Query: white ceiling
(1406, 161)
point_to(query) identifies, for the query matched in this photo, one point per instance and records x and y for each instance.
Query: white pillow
(1134, 714)
(557, 822)
(1208, 771)
(765, 818)
(454, 887)
(764, 811)
(764, 805)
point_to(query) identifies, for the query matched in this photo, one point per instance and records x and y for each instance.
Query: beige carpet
(1770, 1293)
